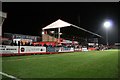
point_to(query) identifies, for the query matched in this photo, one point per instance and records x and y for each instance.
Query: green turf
(93, 64)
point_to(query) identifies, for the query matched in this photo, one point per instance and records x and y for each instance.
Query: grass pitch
(92, 64)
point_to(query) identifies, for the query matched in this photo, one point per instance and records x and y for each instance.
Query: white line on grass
(19, 59)
(31, 58)
(111, 50)
(26, 59)
(10, 76)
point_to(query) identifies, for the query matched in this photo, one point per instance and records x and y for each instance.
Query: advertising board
(32, 49)
(8, 49)
(63, 49)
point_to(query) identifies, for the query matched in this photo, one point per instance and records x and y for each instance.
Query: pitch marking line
(10, 76)
(31, 58)
(26, 59)
(111, 50)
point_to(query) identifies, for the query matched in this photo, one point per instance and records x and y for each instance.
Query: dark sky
(29, 17)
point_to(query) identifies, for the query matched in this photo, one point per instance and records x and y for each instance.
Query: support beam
(58, 34)
(86, 30)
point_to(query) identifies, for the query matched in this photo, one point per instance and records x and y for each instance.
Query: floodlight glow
(107, 24)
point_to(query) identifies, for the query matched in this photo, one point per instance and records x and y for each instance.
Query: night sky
(29, 18)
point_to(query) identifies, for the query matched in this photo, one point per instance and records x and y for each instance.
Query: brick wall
(46, 37)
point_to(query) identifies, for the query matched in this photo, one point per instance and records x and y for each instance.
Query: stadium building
(55, 33)
(9, 37)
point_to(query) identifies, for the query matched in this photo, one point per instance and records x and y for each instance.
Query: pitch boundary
(9, 76)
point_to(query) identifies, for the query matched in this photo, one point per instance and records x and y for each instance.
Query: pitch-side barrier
(6, 50)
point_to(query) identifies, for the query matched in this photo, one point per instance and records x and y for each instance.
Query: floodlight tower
(107, 25)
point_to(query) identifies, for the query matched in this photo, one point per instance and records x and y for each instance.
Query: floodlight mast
(107, 25)
(107, 37)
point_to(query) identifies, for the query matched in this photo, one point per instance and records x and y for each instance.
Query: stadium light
(52, 32)
(42, 32)
(60, 33)
(107, 25)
